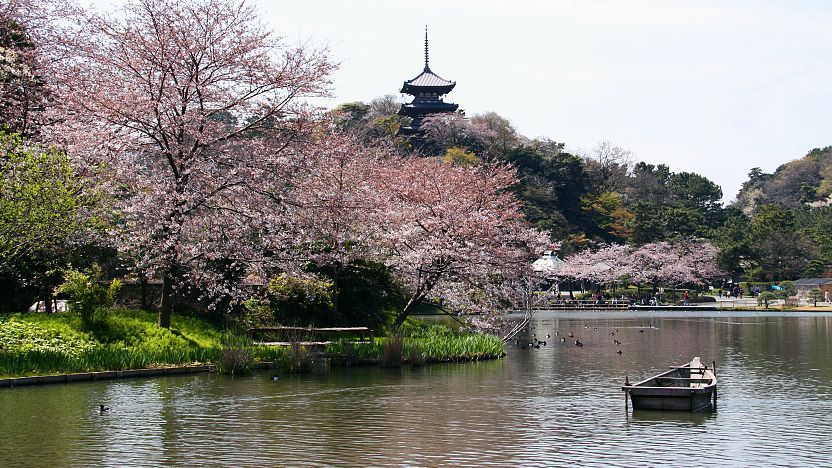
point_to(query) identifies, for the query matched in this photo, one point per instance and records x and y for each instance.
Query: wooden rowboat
(690, 387)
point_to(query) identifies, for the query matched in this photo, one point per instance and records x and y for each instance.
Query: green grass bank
(40, 344)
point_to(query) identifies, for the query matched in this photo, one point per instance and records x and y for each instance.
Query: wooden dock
(583, 305)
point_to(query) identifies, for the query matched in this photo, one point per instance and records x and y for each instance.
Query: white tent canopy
(547, 263)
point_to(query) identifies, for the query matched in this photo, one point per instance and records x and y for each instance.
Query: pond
(559, 404)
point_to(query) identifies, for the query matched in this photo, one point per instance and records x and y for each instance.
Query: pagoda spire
(427, 90)
(427, 68)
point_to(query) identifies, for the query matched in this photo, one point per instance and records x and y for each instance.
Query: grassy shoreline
(40, 344)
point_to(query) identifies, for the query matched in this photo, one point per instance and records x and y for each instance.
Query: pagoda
(427, 90)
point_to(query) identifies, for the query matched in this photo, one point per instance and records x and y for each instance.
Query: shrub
(788, 288)
(300, 301)
(815, 295)
(89, 296)
(764, 297)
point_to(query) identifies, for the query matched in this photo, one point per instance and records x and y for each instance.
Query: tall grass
(33, 344)
(392, 351)
(419, 344)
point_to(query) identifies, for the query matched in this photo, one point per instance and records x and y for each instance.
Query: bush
(788, 290)
(815, 295)
(300, 301)
(88, 295)
(764, 297)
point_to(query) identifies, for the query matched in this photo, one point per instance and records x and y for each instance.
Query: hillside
(802, 182)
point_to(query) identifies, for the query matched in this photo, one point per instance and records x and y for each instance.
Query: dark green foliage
(552, 183)
(300, 301)
(736, 243)
(368, 295)
(46, 212)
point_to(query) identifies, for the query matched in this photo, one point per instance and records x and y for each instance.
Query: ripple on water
(558, 405)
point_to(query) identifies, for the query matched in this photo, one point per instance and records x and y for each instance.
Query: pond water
(557, 405)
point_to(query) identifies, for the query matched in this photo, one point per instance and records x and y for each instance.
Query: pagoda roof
(429, 79)
(428, 82)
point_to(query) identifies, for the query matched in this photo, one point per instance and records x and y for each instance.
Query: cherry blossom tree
(605, 265)
(674, 263)
(455, 235)
(24, 95)
(333, 207)
(197, 109)
(448, 130)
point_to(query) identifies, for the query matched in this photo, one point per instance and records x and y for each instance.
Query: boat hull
(670, 400)
(691, 387)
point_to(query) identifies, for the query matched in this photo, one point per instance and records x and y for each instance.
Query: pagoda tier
(424, 105)
(428, 82)
(427, 90)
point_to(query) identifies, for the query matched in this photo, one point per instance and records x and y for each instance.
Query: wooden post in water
(713, 369)
(626, 393)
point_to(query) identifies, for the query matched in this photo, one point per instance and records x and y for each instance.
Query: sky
(714, 87)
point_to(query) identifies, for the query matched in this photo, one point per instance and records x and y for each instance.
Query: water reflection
(559, 404)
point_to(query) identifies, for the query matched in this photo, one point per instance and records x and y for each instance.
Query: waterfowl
(578, 343)
(275, 378)
(563, 340)
(571, 335)
(103, 409)
(612, 334)
(618, 352)
(641, 331)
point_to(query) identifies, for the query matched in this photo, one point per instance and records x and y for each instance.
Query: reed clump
(298, 359)
(392, 351)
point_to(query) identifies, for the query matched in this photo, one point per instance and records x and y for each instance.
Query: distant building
(427, 90)
(804, 285)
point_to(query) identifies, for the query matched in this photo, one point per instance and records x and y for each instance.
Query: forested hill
(805, 182)
(780, 227)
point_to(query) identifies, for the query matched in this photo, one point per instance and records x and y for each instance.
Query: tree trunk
(47, 295)
(166, 306)
(336, 273)
(415, 299)
(143, 290)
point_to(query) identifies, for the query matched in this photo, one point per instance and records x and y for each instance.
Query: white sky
(715, 87)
